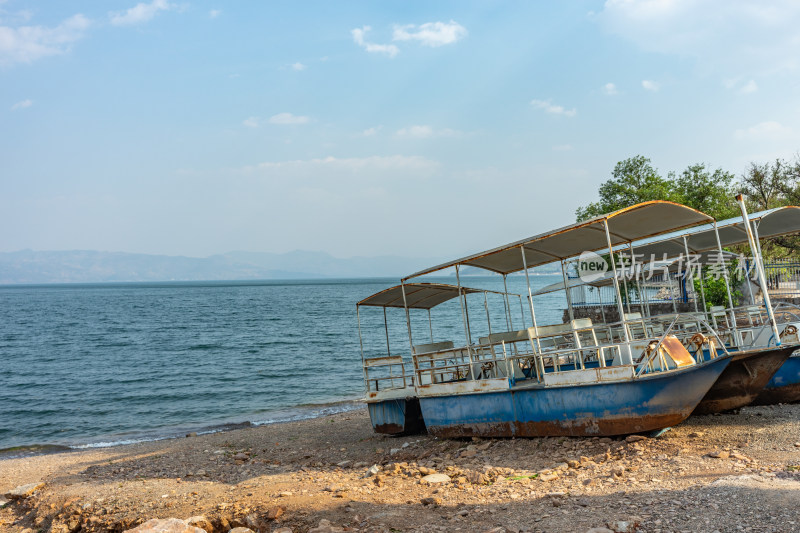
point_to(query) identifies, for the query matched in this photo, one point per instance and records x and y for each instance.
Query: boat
(762, 338)
(572, 379)
(389, 379)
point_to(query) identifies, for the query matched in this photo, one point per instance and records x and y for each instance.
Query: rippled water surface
(94, 364)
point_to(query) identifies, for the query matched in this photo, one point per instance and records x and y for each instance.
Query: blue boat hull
(648, 403)
(400, 416)
(784, 387)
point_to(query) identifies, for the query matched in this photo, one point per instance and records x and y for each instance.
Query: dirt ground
(732, 472)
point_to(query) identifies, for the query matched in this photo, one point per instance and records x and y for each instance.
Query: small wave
(34, 449)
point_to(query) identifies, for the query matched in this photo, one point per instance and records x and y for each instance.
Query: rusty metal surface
(785, 394)
(744, 379)
(403, 417)
(590, 427)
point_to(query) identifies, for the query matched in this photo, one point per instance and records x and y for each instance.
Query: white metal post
(620, 309)
(762, 278)
(408, 318)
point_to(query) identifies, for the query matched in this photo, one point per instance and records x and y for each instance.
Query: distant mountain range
(86, 266)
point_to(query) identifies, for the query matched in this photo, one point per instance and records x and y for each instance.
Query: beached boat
(575, 379)
(761, 338)
(389, 379)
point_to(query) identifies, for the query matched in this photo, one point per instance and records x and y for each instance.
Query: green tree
(633, 180)
(710, 192)
(770, 185)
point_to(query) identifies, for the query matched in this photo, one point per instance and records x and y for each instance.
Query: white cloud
(214, 13)
(321, 170)
(139, 13)
(298, 67)
(369, 132)
(25, 44)
(426, 132)
(549, 107)
(749, 87)
(431, 33)
(251, 122)
(765, 131)
(610, 89)
(651, 85)
(737, 37)
(358, 37)
(22, 105)
(287, 118)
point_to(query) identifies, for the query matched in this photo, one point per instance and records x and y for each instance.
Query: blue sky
(422, 129)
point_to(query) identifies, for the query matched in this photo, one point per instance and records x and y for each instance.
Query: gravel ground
(732, 472)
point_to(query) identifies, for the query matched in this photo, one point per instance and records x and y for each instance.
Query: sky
(418, 129)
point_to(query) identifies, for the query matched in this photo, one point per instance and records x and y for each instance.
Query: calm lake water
(95, 365)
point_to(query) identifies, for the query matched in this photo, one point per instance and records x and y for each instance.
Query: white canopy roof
(672, 264)
(625, 225)
(418, 295)
(770, 223)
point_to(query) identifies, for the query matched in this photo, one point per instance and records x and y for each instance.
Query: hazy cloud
(214, 13)
(251, 122)
(425, 132)
(358, 37)
(369, 132)
(563, 148)
(731, 36)
(22, 105)
(25, 44)
(651, 85)
(610, 89)
(765, 131)
(298, 67)
(140, 13)
(287, 118)
(548, 107)
(749, 87)
(431, 33)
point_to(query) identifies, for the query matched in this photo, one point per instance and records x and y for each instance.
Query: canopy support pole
(408, 319)
(530, 299)
(509, 322)
(762, 278)
(727, 281)
(361, 346)
(686, 250)
(486, 306)
(462, 301)
(386, 328)
(644, 305)
(620, 309)
(430, 325)
(566, 289)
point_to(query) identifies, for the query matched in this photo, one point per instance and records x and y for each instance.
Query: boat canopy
(770, 223)
(418, 295)
(672, 265)
(633, 223)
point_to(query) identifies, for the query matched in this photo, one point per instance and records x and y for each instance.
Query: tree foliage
(635, 180)
(764, 186)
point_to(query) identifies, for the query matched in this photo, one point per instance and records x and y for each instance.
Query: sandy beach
(732, 472)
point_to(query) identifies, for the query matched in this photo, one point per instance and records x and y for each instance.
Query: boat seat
(432, 347)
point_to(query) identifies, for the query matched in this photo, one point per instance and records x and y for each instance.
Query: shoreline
(728, 472)
(278, 416)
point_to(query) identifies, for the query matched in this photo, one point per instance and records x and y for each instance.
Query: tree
(770, 185)
(634, 180)
(712, 193)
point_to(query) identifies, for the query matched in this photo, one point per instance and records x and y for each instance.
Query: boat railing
(388, 372)
(675, 344)
(443, 366)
